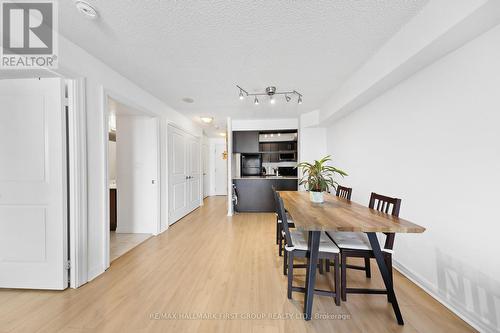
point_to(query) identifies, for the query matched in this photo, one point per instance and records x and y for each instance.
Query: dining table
(338, 214)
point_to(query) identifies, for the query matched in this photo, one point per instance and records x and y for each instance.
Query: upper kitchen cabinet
(246, 142)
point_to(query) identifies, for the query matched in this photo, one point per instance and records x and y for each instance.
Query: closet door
(184, 171)
(177, 174)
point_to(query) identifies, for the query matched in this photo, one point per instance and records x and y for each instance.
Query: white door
(220, 170)
(194, 173)
(184, 169)
(33, 179)
(206, 184)
(137, 186)
(177, 174)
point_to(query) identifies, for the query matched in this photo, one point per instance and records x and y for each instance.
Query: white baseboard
(431, 290)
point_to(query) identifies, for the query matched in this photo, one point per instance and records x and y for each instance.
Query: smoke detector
(86, 9)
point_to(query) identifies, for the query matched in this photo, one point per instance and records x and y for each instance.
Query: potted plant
(318, 178)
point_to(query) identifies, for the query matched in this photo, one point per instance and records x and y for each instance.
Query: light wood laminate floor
(211, 265)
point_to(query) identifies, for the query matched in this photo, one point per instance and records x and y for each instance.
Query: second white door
(184, 173)
(220, 169)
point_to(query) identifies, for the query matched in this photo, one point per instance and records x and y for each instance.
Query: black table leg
(379, 256)
(312, 262)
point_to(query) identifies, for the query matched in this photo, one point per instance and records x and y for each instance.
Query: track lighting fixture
(270, 91)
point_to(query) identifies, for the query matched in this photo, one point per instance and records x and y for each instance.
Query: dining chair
(282, 239)
(356, 244)
(343, 192)
(279, 230)
(297, 247)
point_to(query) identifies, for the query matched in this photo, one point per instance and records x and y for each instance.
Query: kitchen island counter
(255, 192)
(266, 177)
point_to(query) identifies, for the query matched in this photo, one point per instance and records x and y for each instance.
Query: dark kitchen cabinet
(287, 146)
(256, 195)
(246, 142)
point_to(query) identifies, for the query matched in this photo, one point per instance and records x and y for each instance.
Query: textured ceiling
(201, 49)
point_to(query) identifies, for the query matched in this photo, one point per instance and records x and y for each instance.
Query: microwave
(288, 157)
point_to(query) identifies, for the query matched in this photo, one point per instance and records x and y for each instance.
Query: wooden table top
(337, 214)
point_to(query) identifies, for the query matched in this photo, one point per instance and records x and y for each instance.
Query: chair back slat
(384, 204)
(280, 210)
(344, 192)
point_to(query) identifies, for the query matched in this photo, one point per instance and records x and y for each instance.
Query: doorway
(133, 177)
(220, 169)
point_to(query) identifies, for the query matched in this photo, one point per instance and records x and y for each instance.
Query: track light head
(241, 94)
(272, 100)
(299, 100)
(256, 101)
(287, 98)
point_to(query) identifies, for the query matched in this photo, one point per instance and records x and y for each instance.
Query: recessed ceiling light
(86, 9)
(188, 100)
(207, 120)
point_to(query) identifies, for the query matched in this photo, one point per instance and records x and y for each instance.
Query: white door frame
(77, 178)
(105, 94)
(77, 166)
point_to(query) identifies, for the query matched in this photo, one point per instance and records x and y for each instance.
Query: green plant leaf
(318, 176)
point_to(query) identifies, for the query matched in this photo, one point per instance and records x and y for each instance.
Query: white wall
(312, 143)
(312, 146)
(434, 141)
(76, 62)
(264, 124)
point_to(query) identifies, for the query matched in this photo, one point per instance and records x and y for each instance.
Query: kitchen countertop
(266, 177)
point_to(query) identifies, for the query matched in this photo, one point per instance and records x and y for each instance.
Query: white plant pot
(316, 197)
